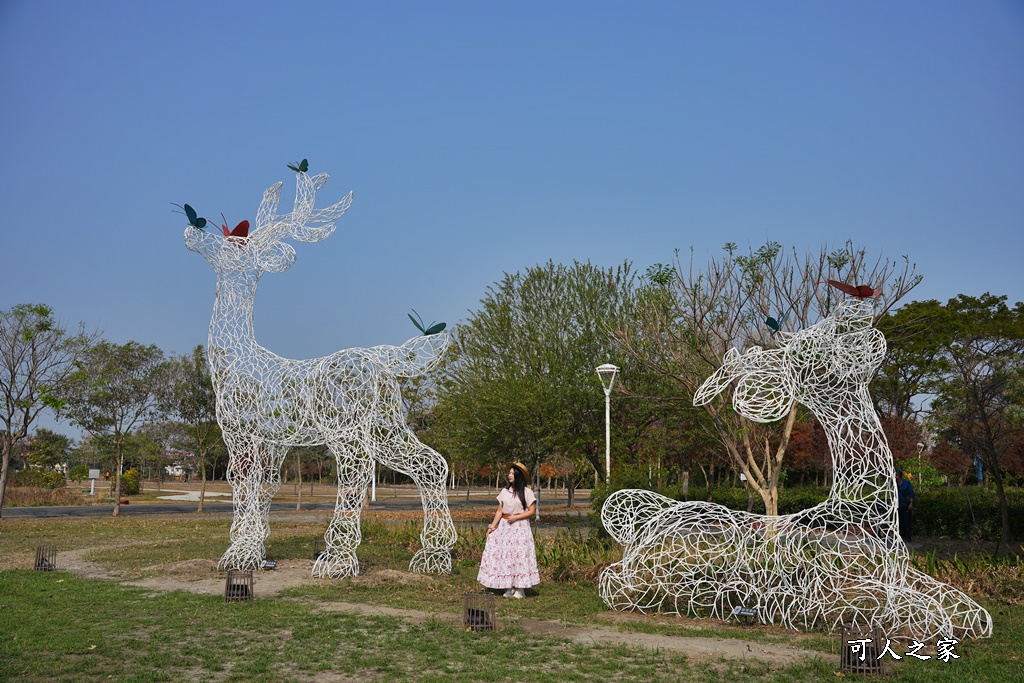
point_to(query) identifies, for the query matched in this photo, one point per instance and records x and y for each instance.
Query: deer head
(263, 251)
(822, 363)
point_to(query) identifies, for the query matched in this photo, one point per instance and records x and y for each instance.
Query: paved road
(405, 503)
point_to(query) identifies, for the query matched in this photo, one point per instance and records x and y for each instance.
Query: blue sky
(481, 138)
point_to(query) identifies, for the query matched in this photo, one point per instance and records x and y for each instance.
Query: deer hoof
(431, 561)
(336, 565)
(241, 558)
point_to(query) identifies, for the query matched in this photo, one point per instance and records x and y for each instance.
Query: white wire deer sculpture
(839, 562)
(350, 401)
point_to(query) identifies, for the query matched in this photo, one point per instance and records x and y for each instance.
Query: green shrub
(131, 482)
(922, 474)
(78, 473)
(966, 512)
(38, 477)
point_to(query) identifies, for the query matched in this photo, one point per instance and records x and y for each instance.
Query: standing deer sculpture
(351, 400)
(838, 562)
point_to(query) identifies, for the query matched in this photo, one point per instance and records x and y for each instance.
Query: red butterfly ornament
(859, 291)
(241, 230)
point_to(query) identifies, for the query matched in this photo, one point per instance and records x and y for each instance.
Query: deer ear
(276, 257)
(712, 386)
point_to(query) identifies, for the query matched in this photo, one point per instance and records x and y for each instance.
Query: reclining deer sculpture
(350, 400)
(839, 562)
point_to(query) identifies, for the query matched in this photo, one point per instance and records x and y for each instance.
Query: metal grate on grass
(862, 653)
(46, 558)
(479, 613)
(239, 586)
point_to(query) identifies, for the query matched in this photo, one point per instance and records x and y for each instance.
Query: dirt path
(199, 576)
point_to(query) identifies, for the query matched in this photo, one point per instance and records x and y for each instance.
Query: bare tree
(36, 357)
(691, 315)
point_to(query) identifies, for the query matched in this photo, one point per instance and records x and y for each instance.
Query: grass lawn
(56, 626)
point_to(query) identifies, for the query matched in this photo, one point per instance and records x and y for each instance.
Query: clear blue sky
(483, 137)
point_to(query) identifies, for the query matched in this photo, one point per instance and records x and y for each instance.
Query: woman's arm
(494, 523)
(524, 515)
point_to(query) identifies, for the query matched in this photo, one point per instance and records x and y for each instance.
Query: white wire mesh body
(351, 400)
(841, 561)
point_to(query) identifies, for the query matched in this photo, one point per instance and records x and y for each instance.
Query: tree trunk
(117, 479)
(570, 491)
(7, 446)
(202, 487)
(707, 480)
(536, 515)
(1004, 509)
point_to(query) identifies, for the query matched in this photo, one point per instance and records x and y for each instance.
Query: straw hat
(521, 467)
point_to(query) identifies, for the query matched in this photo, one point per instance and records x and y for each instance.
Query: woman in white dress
(510, 558)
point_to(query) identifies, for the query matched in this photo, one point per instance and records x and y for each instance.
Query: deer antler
(304, 223)
(308, 225)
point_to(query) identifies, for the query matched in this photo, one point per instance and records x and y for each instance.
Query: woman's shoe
(519, 593)
(509, 593)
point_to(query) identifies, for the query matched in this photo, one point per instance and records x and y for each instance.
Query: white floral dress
(510, 558)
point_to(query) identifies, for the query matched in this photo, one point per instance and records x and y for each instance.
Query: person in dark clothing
(904, 505)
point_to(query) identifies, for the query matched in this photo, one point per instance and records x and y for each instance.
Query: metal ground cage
(861, 653)
(46, 558)
(239, 586)
(478, 612)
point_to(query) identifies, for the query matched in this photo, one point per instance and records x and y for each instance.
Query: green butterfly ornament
(434, 328)
(776, 325)
(194, 219)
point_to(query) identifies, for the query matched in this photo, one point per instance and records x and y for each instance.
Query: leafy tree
(147, 446)
(78, 473)
(973, 365)
(695, 314)
(47, 447)
(520, 382)
(193, 399)
(95, 450)
(37, 356)
(950, 460)
(666, 430)
(114, 389)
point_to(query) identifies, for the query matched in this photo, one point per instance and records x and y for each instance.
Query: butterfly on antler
(859, 291)
(241, 230)
(196, 221)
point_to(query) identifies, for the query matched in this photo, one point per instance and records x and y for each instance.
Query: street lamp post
(607, 374)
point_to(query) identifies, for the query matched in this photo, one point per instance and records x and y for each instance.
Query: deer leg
(255, 476)
(429, 470)
(343, 534)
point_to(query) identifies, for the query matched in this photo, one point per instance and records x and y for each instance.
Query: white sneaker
(509, 593)
(519, 593)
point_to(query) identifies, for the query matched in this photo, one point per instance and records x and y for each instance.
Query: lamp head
(607, 374)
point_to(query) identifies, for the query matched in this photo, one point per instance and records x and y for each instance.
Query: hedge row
(967, 512)
(38, 477)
